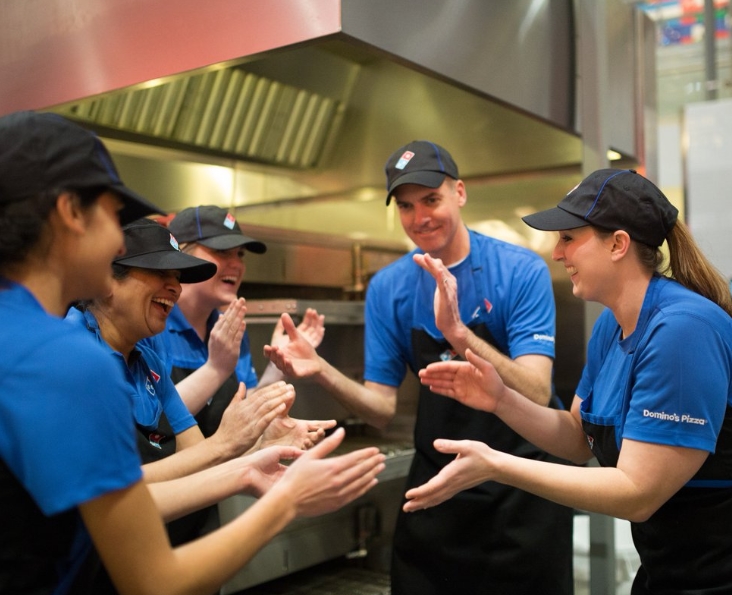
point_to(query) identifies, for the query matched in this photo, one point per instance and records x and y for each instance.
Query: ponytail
(688, 265)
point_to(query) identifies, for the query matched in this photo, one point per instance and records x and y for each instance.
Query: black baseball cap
(612, 199)
(213, 227)
(420, 162)
(151, 246)
(43, 151)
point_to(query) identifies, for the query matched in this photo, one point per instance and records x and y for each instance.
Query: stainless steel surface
(286, 110)
(307, 542)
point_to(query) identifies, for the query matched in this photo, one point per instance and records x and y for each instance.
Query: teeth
(571, 270)
(229, 279)
(164, 302)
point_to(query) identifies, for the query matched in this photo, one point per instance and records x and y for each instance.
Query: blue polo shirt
(66, 436)
(180, 346)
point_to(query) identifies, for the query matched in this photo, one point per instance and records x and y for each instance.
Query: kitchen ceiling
(297, 140)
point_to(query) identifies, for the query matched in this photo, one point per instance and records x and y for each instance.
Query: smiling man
(493, 539)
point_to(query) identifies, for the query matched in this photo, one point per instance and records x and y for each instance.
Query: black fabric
(489, 539)
(685, 546)
(209, 417)
(32, 543)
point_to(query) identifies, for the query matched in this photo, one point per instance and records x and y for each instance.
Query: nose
(172, 282)
(557, 253)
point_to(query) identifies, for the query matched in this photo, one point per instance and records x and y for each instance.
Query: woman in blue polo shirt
(70, 473)
(653, 406)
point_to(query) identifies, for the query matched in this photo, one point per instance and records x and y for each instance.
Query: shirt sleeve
(680, 384)
(72, 438)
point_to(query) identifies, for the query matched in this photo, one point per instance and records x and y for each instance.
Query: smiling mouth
(229, 280)
(571, 270)
(166, 305)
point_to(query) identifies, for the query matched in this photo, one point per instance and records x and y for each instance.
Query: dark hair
(23, 222)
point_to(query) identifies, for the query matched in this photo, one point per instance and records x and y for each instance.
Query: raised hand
(316, 484)
(300, 433)
(248, 415)
(224, 343)
(474, 383)
(297, 358)
(312, 329)
(447, 312)
(472, 466)
(264, 467)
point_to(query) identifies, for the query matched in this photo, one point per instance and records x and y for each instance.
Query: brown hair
(688, 265)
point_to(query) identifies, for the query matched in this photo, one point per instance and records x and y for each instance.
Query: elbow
(641, 513)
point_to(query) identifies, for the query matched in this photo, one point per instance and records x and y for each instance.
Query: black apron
(491, 539)
(685, 548)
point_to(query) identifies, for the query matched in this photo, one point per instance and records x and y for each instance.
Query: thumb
(447, 446)
(477, 361)
(241, 392)
(327, 445)
(289, 326)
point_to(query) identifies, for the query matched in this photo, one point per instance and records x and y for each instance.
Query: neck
(195, 311)
(457, 249)
(628, 301)
(112, 334)
(48, 284)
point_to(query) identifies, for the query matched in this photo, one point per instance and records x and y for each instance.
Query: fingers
(289, 326)
(327, 446)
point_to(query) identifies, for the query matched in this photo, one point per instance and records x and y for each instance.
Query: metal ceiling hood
(314, 94)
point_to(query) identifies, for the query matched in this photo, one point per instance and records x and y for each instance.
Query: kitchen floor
(339, 578)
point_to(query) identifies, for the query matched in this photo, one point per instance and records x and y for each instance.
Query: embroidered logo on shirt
(155, 439)
(149, 387)
(155, 375)
(488, 305)
(448, 355)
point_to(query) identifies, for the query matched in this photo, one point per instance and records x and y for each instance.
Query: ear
(70, 213)
(461, 192)
(620, 245)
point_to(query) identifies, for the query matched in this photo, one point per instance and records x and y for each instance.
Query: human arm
(224, 346)
(131, 540)
(242, 424)
(477, 384)
(529, 374)
(646, 476)
(252, 474)
(373, 402)
(312, 329)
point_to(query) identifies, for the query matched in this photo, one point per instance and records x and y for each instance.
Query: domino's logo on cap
(174, 242)
(404, 160)
(229, 221)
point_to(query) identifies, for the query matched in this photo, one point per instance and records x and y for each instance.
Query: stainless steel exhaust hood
(286, 110)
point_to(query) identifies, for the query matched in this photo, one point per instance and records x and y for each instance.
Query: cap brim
(135, 206)
(228, 241)
(554, 219)
(430, 179)
(192, 269)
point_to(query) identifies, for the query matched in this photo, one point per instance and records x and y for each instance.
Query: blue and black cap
(149, 245)
(420, 162)
(612, 199)
(213, 227)
(43, 151)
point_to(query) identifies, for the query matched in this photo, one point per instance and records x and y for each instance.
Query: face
(221, 289)
(141, 302)
(587, 258)
(431, 217)
(101, 243)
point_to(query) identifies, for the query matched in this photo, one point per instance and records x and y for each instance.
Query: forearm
(555, 431)
(373, 407)
(605, 490)
(270, 375)
(178, 497)
(529, 382)
(196, 389)
(198, 457)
